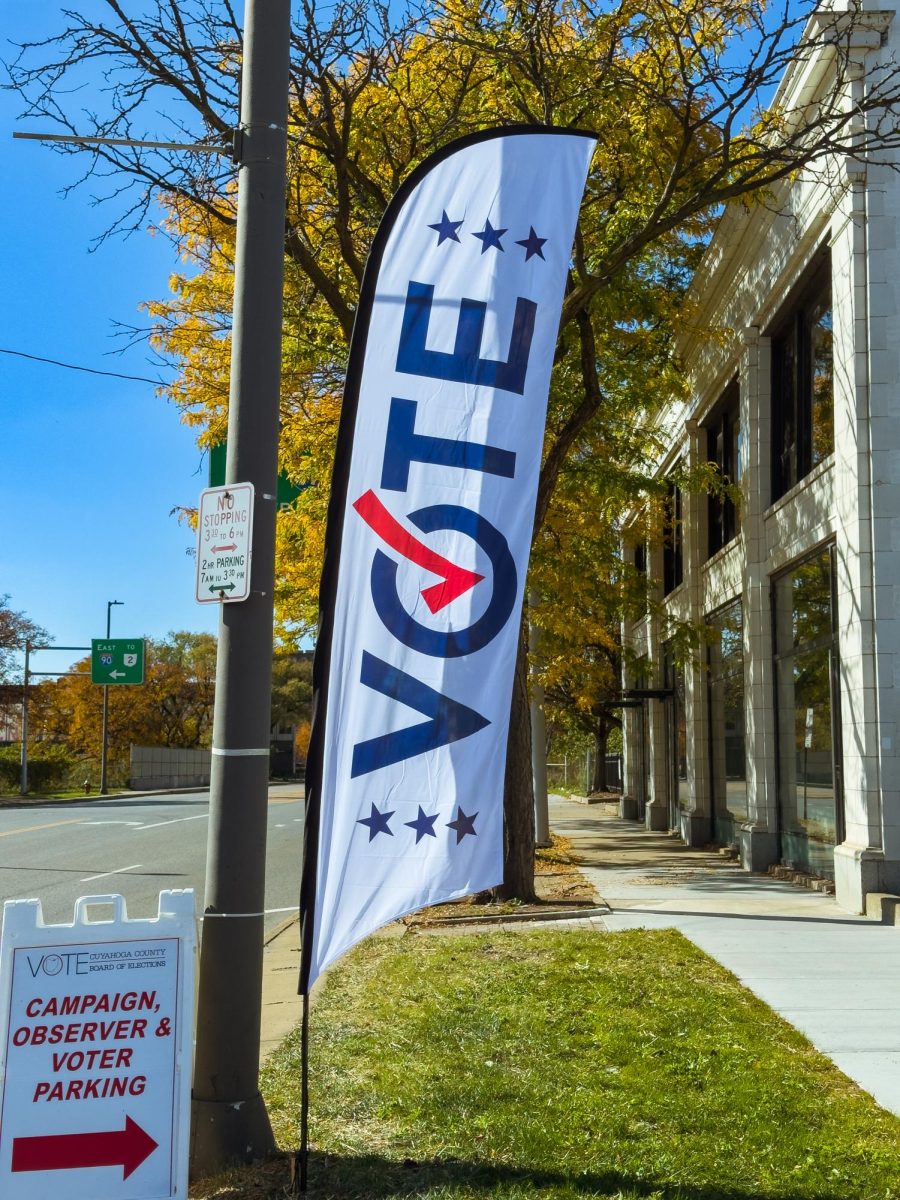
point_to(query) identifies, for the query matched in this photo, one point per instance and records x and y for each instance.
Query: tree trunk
(518, 794)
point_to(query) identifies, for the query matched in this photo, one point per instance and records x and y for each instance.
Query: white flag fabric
(429, 532)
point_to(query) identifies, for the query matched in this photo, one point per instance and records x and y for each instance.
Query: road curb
(32, 802)
(37, 801)
(561, 914)
(280, 929)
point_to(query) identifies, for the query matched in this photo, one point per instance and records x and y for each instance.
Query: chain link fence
(574, 773)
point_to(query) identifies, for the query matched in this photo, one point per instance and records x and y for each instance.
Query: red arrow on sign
(126, 1148)
(216, 549)
(457, 580)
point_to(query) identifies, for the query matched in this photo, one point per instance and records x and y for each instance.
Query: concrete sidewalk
(834, 976)
(281, 1006)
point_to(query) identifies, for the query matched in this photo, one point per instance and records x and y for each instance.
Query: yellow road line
(286, 800)
(49, 825)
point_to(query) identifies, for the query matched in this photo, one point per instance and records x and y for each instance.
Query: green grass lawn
(568, 1064)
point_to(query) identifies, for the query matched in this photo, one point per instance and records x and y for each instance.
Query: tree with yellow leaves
(173, 707)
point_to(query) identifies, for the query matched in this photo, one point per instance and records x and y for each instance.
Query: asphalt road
(135, 847)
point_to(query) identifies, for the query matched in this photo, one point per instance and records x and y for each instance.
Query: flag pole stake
(303, 1155)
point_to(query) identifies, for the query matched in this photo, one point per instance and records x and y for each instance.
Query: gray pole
(538, 745)
(539, 766)
(104, 733)
(104, 740)
(23, 782)
(230, 1122)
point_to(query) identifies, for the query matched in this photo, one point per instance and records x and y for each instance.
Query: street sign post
(224, 543)
(117, 660)
(96, 1028)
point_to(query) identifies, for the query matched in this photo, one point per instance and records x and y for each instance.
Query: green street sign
(287, 492)
(117, 660)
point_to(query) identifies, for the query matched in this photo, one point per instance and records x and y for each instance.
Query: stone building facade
(782, 737)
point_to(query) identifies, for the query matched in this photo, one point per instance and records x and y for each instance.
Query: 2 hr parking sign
(224, 543)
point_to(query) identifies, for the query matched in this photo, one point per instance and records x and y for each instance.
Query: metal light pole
(230, 1122)
(23, 779)
(104, 737)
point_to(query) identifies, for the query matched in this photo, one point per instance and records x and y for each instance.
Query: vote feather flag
(429, 530)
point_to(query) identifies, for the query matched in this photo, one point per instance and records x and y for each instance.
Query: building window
(723, 434)
(803, 384)
(809, 793)
(673, 541)
(640, 558)
(726, 722)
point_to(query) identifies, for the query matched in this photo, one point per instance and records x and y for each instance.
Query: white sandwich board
(96, 1020)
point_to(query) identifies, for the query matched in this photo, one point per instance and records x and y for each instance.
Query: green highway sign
(117, 660)
(287, 492)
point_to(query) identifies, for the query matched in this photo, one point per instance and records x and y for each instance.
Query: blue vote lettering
(465, 364)
(404, 446)
(436, 642)
(449, 721)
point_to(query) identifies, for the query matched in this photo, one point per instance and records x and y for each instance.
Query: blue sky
(90, 467)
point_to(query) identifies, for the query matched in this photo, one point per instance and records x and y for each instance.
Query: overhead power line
(55, 362)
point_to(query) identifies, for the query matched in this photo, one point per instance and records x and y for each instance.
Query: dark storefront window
(676, 725)
(724, 449)
(806, 671)
(803, 384)
(726, 720)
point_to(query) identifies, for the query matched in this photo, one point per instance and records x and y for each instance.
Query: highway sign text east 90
(117, 660)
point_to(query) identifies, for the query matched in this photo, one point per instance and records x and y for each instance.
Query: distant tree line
(172, 708)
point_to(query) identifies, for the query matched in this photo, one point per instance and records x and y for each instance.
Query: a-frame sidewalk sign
(96, 1022)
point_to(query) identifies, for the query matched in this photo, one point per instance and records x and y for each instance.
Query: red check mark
(456, 580)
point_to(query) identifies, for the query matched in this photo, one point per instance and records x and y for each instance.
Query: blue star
(463, 825)
(490, 236)
(445, 228)
(377, 822)
(532, 244)
(423, 825)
